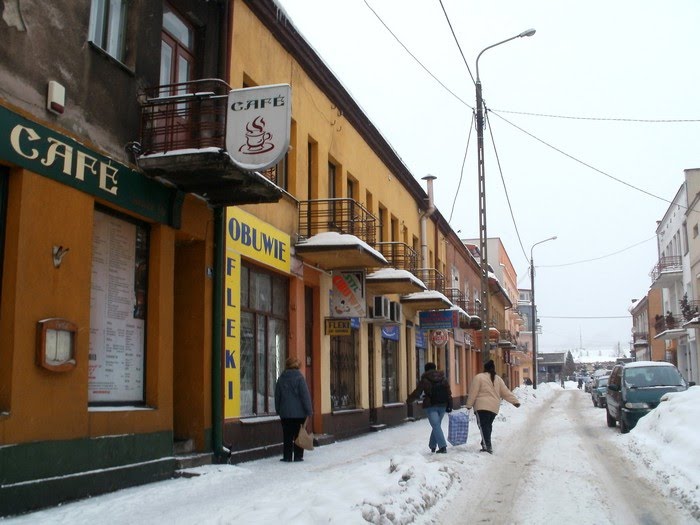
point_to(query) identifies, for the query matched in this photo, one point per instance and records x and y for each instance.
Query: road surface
(527, 478)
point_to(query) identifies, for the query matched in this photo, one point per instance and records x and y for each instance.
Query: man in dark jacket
(436, 401)
(293, 405)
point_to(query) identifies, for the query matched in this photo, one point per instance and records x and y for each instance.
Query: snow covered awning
(394, 281)
(693, 323)
(674, 333)
(337, 251)
(427, 300)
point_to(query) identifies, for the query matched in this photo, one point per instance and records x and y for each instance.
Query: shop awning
(336, 251)
(427, 300)
(393, 281)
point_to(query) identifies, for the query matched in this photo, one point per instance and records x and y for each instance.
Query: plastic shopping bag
(458, 428)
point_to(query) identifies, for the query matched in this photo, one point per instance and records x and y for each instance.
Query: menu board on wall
(117, 311)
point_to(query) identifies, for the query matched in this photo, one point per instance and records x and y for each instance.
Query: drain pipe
(424, 221)
(217, 424)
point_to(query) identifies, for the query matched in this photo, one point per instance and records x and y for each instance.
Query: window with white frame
(108, 26)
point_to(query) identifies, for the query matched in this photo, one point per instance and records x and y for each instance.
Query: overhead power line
(505, 189)
(580, 161)
(415, 58)
(461, 174)
(585, 317)
(595, 258)
(457, 42)
(602, 119)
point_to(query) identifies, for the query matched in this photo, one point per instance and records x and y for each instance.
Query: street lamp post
(483, 238)
(534, 313)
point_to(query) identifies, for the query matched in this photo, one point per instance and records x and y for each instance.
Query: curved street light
(483, 237)
(534, 313)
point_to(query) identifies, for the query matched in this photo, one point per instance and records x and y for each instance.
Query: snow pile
(666, 441)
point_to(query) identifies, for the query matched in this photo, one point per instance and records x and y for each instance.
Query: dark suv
(635, 389)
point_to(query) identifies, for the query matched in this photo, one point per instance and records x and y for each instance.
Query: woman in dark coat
(293, 405)
(436, 401)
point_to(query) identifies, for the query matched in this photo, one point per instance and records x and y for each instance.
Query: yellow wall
(42, 213)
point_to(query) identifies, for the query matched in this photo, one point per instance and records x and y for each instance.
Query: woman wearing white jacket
(485, 394)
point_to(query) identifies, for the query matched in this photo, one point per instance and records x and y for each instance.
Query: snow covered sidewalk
(384, 477)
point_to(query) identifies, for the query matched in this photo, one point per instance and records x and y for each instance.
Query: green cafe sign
(44, 151)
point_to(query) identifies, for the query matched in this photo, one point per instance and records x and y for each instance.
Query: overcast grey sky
(598, 60)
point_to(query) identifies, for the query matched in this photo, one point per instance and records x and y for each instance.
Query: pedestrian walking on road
(437, 401)
(293, 405)
(485, 394)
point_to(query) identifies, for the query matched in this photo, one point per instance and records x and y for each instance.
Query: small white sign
(258, 125)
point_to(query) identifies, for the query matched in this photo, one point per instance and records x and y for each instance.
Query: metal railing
(690, 309)
(667, 322)
(400, 255)
(457, 297)
(640, 337)
(188, 115)
(340, 215)
(671, 263)
(432, 278)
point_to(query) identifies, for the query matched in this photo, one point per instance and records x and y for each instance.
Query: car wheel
(624, 429)
(611, 420)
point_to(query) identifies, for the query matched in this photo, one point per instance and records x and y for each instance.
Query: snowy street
(554, 460)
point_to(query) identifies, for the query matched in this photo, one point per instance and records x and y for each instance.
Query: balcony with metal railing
(457, 297)
(338, 233)
(432, 278)
(669, 326)
(399, 254)
(400, 277)
(640, 339)
(666, 272)
(183, 141)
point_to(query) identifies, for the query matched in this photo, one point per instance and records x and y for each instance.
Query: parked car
(598, 391)
(636, 388)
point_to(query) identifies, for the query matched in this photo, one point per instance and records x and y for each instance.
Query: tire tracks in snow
(561, 464)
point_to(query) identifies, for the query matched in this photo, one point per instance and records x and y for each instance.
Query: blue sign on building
(439, 319)
(390, 331)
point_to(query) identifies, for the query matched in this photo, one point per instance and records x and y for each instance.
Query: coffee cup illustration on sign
(256, 138)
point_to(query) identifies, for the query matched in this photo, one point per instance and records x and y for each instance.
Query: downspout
(424, 215)
(217, 420)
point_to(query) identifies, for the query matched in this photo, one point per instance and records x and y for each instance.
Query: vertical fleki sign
(232, 340)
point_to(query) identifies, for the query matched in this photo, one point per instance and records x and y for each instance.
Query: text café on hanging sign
(258, 125)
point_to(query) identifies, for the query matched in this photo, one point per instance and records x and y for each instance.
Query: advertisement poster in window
(348, 294)
(117, 310)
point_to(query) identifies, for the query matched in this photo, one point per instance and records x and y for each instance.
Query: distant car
(635, 389)
(598, 391)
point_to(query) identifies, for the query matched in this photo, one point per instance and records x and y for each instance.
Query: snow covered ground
(391, 476)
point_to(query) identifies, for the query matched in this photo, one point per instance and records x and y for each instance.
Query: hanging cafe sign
(258, 125)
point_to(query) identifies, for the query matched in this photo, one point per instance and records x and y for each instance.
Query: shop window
(390, 371)
(264, 329)
(108, 26)
(118, 309)
(344, 376)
